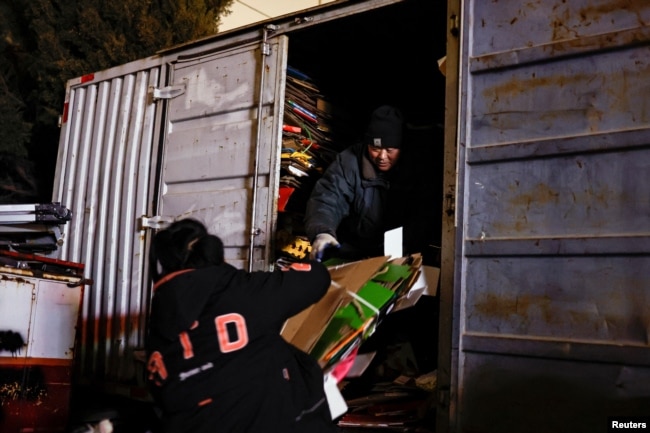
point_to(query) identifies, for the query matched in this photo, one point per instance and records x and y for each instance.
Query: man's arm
(329, 201)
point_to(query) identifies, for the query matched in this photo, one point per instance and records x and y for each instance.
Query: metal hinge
(168, 92)
(450, 204)
(454, 25)
(268, 30)
(154, 222)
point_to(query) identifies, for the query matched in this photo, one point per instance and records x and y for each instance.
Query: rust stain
(594, 12)
(563, 27)
(585, 85)
(17, 280)
(541, 194)
(495, 306)
(504, 307)
(517, 85)
(560, 29)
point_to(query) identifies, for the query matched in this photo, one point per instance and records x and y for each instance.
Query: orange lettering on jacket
(301, 267)
(156, 368)
(188, 351)
(225, 343)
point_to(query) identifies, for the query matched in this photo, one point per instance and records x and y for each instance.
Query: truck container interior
(387, 56)
(390, 56)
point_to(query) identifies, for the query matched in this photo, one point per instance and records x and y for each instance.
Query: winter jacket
(356, 203)
(217, 362)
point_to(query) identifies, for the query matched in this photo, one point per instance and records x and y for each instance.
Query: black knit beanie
(385, 128)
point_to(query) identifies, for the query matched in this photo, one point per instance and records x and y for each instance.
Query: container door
(552, 270)
(221, 153)
(107, 158)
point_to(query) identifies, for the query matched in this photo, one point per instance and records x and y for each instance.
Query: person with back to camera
(216, 360)
(361, 194)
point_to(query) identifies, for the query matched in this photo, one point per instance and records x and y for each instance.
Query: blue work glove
(322, 241)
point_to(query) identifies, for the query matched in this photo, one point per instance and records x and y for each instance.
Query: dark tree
(44, 43)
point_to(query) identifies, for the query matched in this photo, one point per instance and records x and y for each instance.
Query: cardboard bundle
(360, 295)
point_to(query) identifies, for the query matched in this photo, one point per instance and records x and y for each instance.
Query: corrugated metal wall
(106, 149)
(554, 268)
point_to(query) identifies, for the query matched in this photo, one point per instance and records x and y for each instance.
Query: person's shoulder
(354, 149)
(350, 156)
(215, 272)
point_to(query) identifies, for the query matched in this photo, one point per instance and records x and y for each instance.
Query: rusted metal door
(222, 147)
(552, 270)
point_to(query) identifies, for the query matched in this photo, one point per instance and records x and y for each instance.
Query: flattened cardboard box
(304, 329)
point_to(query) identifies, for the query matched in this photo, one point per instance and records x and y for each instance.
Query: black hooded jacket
(356, 203)
(217, 361)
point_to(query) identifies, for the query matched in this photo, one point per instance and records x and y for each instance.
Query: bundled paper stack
(359, 297)
(306, 140)
(402, 405)
(311, 138)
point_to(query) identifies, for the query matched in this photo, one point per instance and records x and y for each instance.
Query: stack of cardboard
(313, 133)
(304, 156)
(401, 405)
(360, 296)
(307, 145)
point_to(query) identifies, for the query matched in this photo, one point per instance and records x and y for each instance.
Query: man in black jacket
(216, 360)
(361, 195)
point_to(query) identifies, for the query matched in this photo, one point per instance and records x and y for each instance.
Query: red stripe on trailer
(66, 105)
(87, 78)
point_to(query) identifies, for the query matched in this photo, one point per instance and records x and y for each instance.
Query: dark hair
(184, 244)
